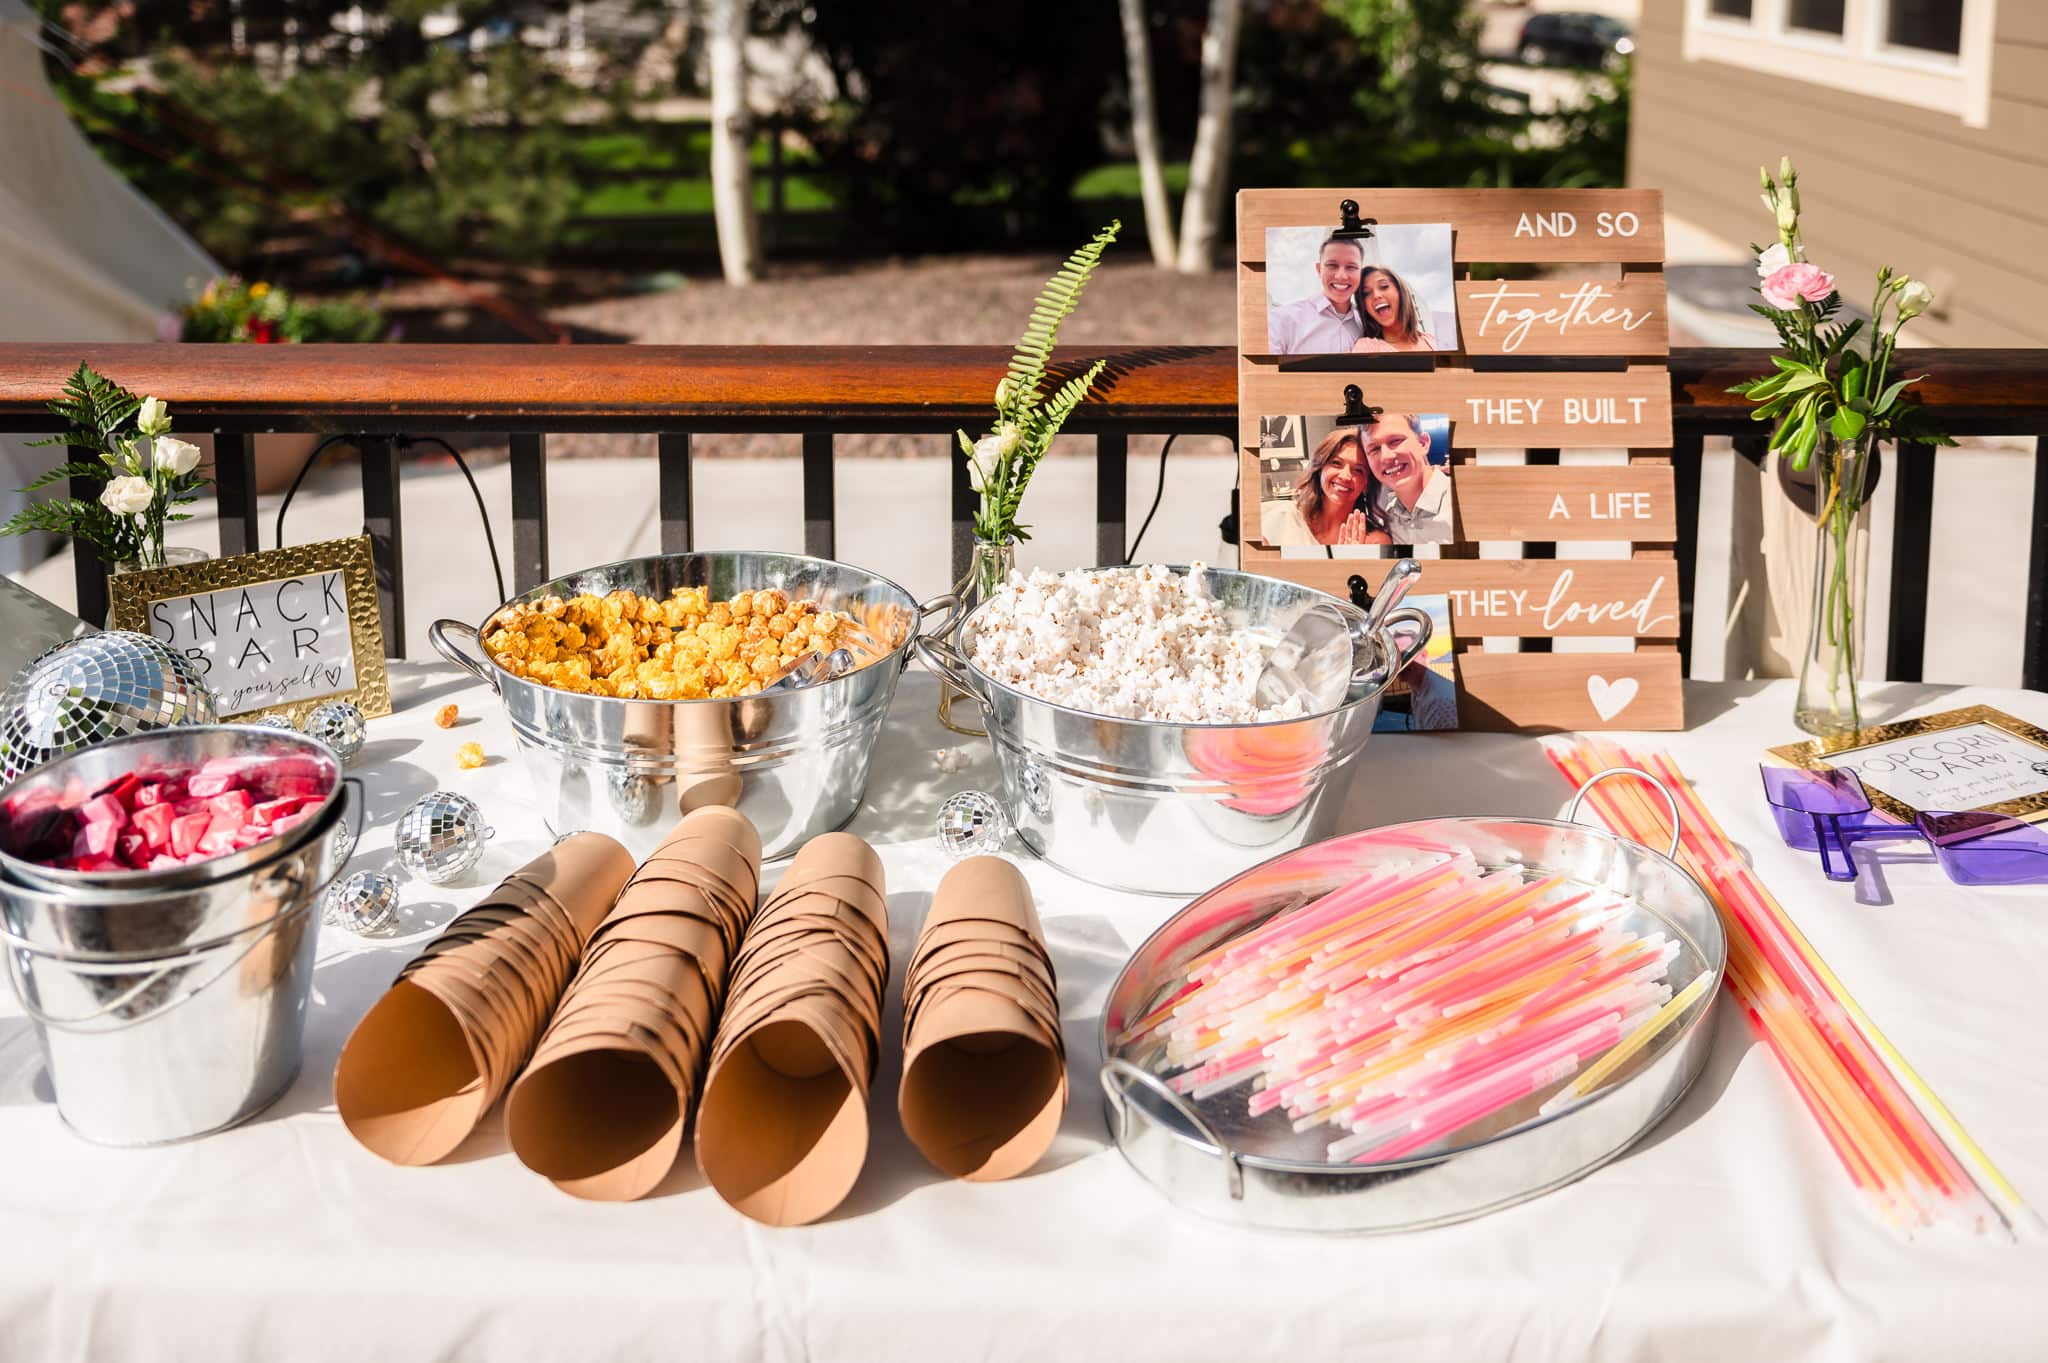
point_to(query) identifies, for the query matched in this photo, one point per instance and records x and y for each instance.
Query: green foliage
(1026, 419)
(107, 419)
(232, 310)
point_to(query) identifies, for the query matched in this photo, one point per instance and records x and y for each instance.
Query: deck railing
(527, 393)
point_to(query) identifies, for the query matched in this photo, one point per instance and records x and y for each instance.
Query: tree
(732, 180)
(1209, 164)
(1145, 135)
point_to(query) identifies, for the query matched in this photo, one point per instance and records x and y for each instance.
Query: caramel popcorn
(686, 647)
(469, 756)
(446, 716)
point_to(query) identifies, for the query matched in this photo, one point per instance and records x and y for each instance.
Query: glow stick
(1626, 1049)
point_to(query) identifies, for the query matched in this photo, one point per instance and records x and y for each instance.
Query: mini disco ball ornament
(631, 795)
(972, 824)
(441, 836)
(274, 722)
(365, 903)
(88, 690)
(339, 725)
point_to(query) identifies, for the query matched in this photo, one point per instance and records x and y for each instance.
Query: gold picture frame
(132, 594)
(1815, 754)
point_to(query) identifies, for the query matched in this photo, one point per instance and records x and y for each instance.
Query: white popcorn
(1131, 643)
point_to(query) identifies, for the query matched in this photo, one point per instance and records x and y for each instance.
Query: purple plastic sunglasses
(1827, 811)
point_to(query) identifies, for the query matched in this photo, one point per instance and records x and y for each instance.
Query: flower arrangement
(1000, 464)
(1832, 399)
(230, 309)
(146, 472)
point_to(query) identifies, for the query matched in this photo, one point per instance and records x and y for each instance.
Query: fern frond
(62, 472)
(1056, 302)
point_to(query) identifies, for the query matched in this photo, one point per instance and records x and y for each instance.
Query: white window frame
(1859, 61)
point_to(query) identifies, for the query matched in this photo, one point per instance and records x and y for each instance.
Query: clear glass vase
(1829, 703)
(171, 556)
(986, 571)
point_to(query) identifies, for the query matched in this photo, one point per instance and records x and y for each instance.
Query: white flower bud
(1914, 299)
(174, 456)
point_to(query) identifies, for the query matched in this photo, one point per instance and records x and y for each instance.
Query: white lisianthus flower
(1914, 299)
(989, 453)
(1776, 257)
(153, 418)
(1003, 392)
(127, 496)
(174, 456)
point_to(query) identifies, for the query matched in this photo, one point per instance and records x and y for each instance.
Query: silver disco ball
(338, 724)
(441, 836)
(94, 688)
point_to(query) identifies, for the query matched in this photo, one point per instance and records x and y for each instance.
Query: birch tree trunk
(1209, 166)
(732, 179)
(1145, 135)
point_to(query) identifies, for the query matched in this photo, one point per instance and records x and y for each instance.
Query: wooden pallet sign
(1411, 363)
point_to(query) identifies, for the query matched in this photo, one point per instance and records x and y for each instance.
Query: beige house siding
(1881, 182)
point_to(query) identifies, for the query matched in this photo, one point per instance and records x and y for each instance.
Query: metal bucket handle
(1571, 813)
(437, 635)
(1377, 674)
(269, 886)
(949, 602)
(1116, 1069)
(935, 650)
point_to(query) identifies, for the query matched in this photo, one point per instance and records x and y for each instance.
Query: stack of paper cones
(783, 1130)
(984, 1064)
(431, 1057)
(602, 1105)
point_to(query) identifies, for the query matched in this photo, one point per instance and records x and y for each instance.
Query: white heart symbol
(1610, 698)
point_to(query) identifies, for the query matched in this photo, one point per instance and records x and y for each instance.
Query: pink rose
(1790, 283)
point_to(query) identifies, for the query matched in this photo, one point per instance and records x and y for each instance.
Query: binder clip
(1356, 413)
(1354, 228)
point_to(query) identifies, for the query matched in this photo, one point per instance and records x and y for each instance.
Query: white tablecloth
(1730, 1233)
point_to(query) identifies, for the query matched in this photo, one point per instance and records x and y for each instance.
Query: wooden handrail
(372, 388)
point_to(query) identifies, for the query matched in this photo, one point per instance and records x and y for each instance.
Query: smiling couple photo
(1387, 291)
(1329, 482)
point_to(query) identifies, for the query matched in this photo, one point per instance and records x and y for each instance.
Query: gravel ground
(945, 300)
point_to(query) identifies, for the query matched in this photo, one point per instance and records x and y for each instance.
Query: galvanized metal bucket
(795, 762)
(1165, 808)
(178, 1007)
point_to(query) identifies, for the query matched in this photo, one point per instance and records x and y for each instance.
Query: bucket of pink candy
(159, 904)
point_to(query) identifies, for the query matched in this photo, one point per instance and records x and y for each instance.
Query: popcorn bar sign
(274, 631)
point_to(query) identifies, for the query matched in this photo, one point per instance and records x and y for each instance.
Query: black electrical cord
(490, 541)
(1157, 493)
(299, 478)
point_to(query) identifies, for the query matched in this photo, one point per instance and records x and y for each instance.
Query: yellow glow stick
(1626, 1048)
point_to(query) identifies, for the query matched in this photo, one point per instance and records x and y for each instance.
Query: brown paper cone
(624, 1156)
(409, 1084)
(584, 873)
(782, 1149)
(983, 1092)
(985, 887)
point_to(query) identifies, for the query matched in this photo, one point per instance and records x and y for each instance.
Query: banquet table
(1728, 1232)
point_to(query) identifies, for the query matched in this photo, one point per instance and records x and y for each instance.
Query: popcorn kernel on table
(446, 716)
(469, 755)
(683, 647)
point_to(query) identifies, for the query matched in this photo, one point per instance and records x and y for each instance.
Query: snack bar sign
(264, 643)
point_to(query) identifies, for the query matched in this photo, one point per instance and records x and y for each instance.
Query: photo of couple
(1330, 482)
(1332, 293)
(1423, 695)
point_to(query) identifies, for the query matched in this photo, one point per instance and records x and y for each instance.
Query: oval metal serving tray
(1213, 1158)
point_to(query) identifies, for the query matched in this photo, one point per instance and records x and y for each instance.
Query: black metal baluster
(88, 571)
(382, 523)
(2034, 642)
(1912, 536)
(819, 499)
(965, 502)
(234, 493)
(1540, 458)
(1688, 453)
(1112, 490)
(673, 451)
(529, 512)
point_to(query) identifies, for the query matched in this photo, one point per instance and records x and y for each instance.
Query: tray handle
(1115, 1073)
(437, 635)
(1571, 813)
